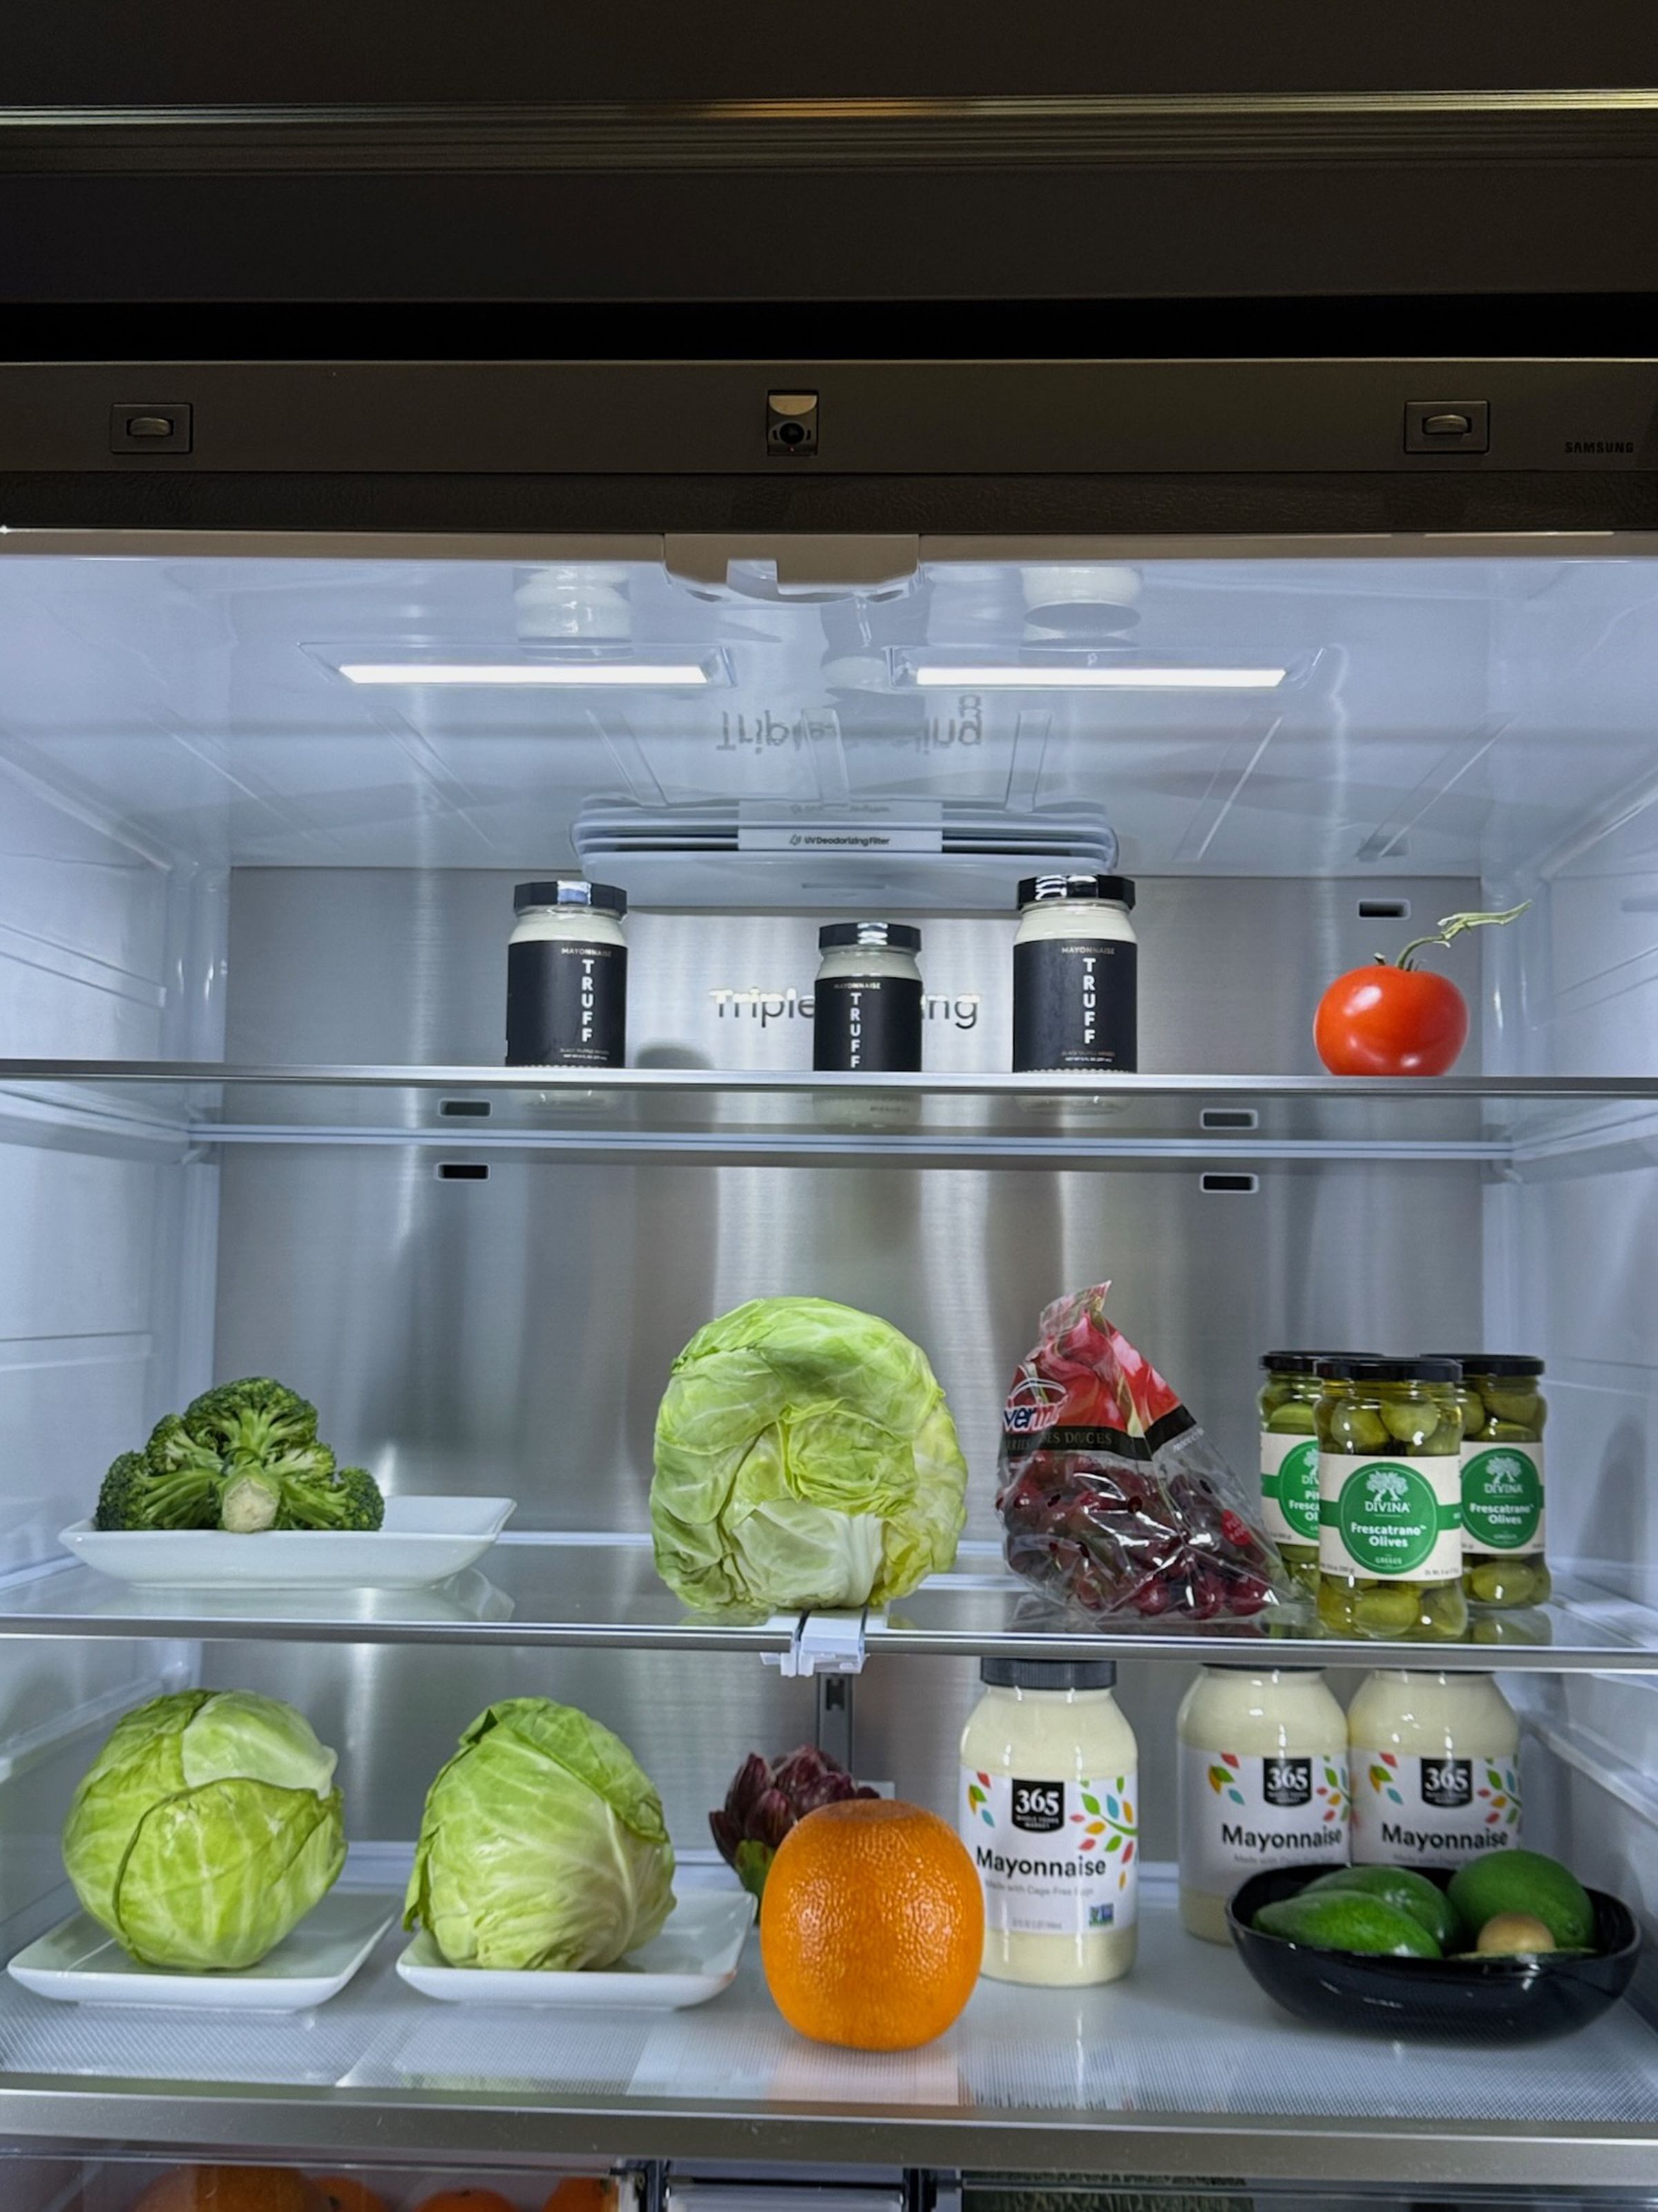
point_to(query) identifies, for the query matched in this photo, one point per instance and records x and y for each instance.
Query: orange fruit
(583, 2192)
(465, 2200)
(231, 2188)
(873, 1925)
(343, 2192)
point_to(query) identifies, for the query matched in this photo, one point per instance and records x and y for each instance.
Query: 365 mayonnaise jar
(1263, 1783)
(1436, 1769)
(1049, 1794)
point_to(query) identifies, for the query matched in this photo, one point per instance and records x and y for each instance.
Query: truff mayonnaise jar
(567, 975)
(866, 1006)
(1075, 983)
(1048, 1811)
(1436, 1769)
(1263, 1783)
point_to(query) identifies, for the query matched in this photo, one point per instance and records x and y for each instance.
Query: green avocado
(1348, 1920)
(1526, 1882)
(1425, 1902)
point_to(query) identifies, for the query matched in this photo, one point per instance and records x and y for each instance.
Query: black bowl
(1485, 2000)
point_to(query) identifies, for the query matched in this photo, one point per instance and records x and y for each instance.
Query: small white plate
(423, 1540)
(693, 1958)
(78, 1964)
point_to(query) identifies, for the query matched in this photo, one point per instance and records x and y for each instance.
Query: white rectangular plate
(423, 1540)
(693, 1958)
(78, 1964)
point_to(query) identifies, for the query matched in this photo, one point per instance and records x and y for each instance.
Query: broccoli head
(244, 1457)
(317, 1494)
(116, 1500)
(255, 1418)
(172, 1484)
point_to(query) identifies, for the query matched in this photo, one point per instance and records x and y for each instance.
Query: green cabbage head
(804, 1457)
(207, 1827)
(542, 1844)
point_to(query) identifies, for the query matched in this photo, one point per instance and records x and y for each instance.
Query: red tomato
(1381, 1020)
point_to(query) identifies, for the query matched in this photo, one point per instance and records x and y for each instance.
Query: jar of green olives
(1390, 1498)
(1503, 1416)
(1289, 1460)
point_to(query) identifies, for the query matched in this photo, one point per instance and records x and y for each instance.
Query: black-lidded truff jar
(567, 975)
(866, 1003)
(1390, 1498)
(1075, 977)
(1503, 1411)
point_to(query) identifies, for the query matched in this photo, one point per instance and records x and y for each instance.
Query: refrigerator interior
(216, 849)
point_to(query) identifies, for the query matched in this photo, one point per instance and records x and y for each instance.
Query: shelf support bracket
(820, 1644)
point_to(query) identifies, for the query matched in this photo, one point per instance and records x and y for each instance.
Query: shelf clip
(820, 1644)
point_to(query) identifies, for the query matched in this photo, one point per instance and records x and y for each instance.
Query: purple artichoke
(765, 1801)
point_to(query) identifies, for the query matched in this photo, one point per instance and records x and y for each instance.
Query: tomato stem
(1453, 925)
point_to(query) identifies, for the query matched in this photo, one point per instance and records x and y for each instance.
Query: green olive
(1536, 1586)
(1508, 1581)
(1335, 1605)
(1485, 1582)
(1408, 1421)
(1301, 1561)
(1444, 1610)
(1387, 1609)
(1511, 1432)
(1355, 1429)
(1521, 1404)
(1473, 1409)
(1273, 1392)
(1292, 1420)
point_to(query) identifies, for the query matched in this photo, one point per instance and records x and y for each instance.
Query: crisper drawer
(1034, 2194)
(140, 2182)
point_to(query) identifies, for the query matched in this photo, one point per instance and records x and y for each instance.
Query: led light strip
(668, 676)
(1123, 679)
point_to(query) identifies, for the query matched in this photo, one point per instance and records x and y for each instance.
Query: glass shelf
(550, 1589)
(800, 1117)
(602, 1590)
(1186, 2067)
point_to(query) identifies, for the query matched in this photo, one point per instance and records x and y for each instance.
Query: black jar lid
(1361, 1367)
(1035, 891)
(1296, 1363)
(570, 891)
(897, 936)
(1497, 1362)
(1049, 1673)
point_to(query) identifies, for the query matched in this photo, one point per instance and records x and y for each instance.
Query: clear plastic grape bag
(1113, 1503)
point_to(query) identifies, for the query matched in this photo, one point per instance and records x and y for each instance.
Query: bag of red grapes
(1113, 1503)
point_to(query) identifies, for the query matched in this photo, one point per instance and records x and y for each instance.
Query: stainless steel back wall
(394, 966)
(515, 1335)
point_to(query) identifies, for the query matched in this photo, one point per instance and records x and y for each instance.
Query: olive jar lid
(1496, 1363)
(570, 891)
(1048, 1673)
(1357, 1367)
(897, 936)
(1039, 891)
(1294, 1362)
